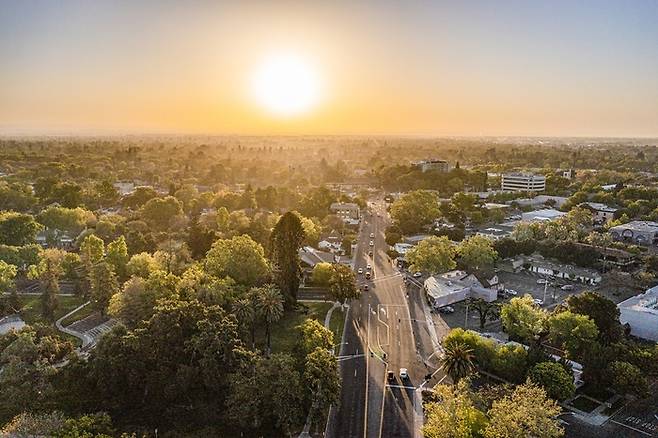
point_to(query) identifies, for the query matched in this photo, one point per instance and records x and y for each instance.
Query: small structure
(547, 214)
(311, 257)
(539, 265)
(641, 314)
(455, 286)
(601, 213)
(124, 187)
(556, 201)
(402, 248)
(638, 232)
(415, 239)
(523, 182)
(432, 164)
(346, 210)
(496, 232)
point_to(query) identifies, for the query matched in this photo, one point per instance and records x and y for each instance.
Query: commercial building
(601, 213)
(496, 232)
(547, 214)
(638, 232)
(554, 201)
(523, 182)
(455, 286)
(346, 210)
(432, 164)
(641, 314)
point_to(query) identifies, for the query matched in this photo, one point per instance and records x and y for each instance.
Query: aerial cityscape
(328, 219)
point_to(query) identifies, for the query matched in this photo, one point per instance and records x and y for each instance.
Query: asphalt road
(388, 324)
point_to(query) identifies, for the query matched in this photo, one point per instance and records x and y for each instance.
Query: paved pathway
(88, 335)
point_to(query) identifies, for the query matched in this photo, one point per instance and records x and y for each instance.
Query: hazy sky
(418, 67)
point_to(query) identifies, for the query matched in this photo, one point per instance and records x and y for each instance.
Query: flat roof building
(523, 182)
(641, 314)
(601, 213)
(432, 164)
(638, 232)
(346, 210)
(454, 286)
(547, 214)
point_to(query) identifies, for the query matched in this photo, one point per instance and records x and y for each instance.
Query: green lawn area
(284, 335)
(79, 315)
(336, 325)
(31, 307)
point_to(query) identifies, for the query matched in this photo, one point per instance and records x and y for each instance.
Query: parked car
(418, 274)
(447, 309)
(404, 375)
(538, 302)
(542, 281)
(511, 292)
(567, 287)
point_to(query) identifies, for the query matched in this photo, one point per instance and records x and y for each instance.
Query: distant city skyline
(474, 68)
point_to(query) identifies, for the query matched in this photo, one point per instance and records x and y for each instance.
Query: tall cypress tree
(287, 237)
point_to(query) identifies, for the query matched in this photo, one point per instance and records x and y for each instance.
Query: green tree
(240, 258)
(526, 413)
(142, 264)
(18, 228)
(454, 414)
(7, 275)
(117, 256)
(523, 319)
(162, 213)
(458, 361)
(342, 283)
(269, 305)
(245, 311)
(556, 381)
(602, 311)
(415, 210)
(286, 240)
(433, 255)
(49, 270)
(104, 284)
(477, 253)
(313, 335)
(626, 378)
(322, 378)
(322, 274)
(486, 311)
(571, 331)
(92, 250)
(199, 238)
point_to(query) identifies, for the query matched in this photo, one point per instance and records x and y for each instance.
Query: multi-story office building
(433, 164)
(523, 182)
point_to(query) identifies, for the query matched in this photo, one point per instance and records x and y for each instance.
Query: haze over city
(521, 68)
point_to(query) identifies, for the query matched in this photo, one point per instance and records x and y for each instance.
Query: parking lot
(526, 283)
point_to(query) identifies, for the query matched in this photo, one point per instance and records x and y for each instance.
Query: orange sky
(441, 69)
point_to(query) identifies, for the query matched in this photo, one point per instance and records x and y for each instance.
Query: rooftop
(646, 302)
(643, 226)
(600, 207)
(449, 283)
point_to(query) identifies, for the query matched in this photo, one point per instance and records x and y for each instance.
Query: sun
(286, 85)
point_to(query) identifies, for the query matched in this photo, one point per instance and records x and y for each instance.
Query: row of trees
(438, 254)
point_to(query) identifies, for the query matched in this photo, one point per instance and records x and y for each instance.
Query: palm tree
(458, 361)
(269, 305)
(246, 314)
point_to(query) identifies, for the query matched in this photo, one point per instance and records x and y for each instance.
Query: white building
(432, 164)
(124, 187)
(547, 214)
(455, 286)
(556, 201)
(548, 268)
(641, 314)
(402, 248)
(639, 232)
(523, 182)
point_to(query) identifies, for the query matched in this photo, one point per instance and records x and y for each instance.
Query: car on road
(372, 235)
(418, 274)
(404, 375)
(372, 243)
(390, 376)
(542, 281)
(365, 287)
(368, 266)
(567, 287)
(446, 309)
(368, 275)
(360, 270)
(370, 253)
(538, 302)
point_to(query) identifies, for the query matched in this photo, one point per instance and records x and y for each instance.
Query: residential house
(601, 213)
(454, 286)
(544, 267)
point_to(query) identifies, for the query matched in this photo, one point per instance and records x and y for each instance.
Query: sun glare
(286, 85)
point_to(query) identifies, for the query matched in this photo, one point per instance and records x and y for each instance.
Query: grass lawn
(336, 325)
(584, 404)
(284, 335)
(79, 315)
(31, 307)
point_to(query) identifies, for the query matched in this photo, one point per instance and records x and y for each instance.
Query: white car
(360, 270)
(542, 281)
(418, 274)
(538, 302)
(511, 292)
(404, 375)
(372, 243)
(372, 235)
(567, 287)
(368, 266)
(446, 309)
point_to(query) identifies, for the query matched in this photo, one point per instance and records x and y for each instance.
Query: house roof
(312, 256)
